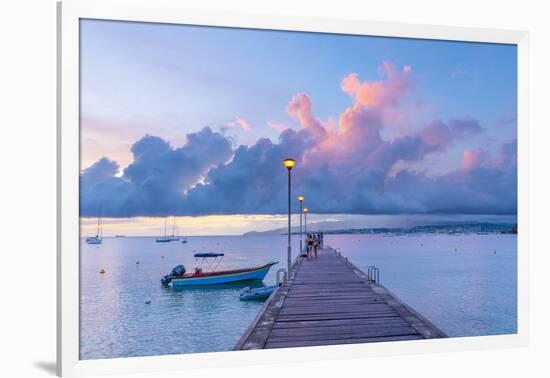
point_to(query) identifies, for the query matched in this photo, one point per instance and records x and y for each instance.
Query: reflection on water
(468, 291)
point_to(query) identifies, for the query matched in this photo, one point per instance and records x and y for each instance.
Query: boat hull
(257, 294)
(251, 274)
(94, 241)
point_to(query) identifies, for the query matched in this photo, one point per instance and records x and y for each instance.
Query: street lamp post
(301, 199)
(289, 163)
(305, 220)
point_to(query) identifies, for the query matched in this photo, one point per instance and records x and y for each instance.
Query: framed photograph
(237, 187)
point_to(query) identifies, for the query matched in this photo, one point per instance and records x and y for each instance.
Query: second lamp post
(289, 163)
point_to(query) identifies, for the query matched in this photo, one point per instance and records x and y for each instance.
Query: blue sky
(170, 81)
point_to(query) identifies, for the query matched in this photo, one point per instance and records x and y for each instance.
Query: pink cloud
(347, 146)
(300, 107)
(240, 123)
(436, 134)
(368, 134)
(379, 93)
(472, 158)
(243, 124)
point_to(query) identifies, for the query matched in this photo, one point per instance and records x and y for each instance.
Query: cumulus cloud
(480, 189)
(300, 107)
(156, 181)
(473, 158)
(379, 93)
(343, 166)
(443, 135)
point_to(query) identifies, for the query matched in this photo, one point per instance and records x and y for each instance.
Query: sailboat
(164, 239)
(98, 238)
(173, 237)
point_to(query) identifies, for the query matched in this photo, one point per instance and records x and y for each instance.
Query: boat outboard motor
(178, 271)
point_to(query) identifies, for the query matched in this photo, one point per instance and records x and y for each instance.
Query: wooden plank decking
(329, 301)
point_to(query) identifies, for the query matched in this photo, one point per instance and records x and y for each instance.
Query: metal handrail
(285, 276)
(373, 274)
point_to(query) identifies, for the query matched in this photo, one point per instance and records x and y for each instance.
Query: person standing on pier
(309, 244)
(315, 244)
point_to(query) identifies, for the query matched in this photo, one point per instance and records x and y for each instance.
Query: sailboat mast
(165, 220)
(174, 227)
(98, 222)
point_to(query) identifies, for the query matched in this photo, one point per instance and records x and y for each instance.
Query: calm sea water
(456, 281)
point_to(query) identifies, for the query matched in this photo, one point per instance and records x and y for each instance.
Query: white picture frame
(69, 14)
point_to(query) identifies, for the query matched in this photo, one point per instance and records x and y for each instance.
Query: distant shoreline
(448, 229)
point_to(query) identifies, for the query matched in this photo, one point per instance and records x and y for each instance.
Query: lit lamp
(301, 199)
(289, 164)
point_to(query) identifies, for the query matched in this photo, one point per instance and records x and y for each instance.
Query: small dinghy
(248, 294)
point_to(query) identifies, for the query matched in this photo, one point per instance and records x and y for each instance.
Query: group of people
(314, 241)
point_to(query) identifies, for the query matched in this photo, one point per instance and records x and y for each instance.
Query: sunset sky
(192, 120)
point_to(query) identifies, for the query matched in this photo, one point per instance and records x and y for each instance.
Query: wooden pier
(328, 301)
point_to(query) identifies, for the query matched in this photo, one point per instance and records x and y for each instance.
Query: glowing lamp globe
(289, 163)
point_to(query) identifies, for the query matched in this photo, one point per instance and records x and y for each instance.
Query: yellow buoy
(102, 271)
